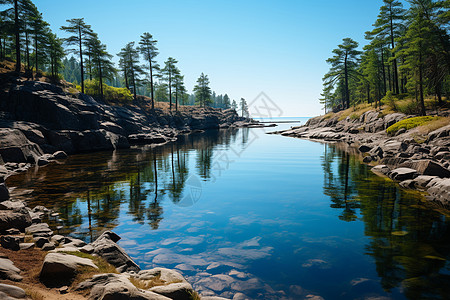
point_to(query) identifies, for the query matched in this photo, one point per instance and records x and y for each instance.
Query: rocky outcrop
(10, 292)
(410, 154)
(59, 269)
(106, 247)
(8, 270)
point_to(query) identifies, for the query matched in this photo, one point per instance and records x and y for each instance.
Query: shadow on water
(409, 242)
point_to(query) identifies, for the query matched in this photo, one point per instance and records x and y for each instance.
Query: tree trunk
(439, 93)
(389, 77)
(28, 50)
(81, 60)
(176, 99)
(100, 75)
(422, 102)
(347, 96)
(393, 54)
(17, 33)
(126, 78)
(151, 81)
(36, 52)
(170, 90)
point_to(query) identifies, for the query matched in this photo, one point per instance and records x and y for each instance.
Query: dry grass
(34, 294)
(354, 112)
(433, 125)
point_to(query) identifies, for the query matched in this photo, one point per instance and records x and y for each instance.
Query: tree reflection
(409, 242)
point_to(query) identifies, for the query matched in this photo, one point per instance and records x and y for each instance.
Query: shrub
(110, 93)
(410, 123)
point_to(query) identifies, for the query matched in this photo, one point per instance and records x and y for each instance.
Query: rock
(74, 242)
(106, 247)
(427, 167)
(26, 246)
(116, 286)
(367, 159)
(422, 181)
(440, 190)
(15, 147)
(179, 291)
(364, 148)
(60, 155)
(10, 219)
(57, 239)
(41, 229)
(63, 289)
(42, 162)
(87, 249)
(16, 206)
(12, 231)
(12, 291)
(59, 268)
(402, 174)
(147, 138)
(4, 192)
(8, 270)
(10, 242)
(439, 133)
(382, 169)
(408, 184)
(48, 246)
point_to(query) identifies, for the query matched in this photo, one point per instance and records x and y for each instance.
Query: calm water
(269, 216)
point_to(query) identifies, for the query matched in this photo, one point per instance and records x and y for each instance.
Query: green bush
(410, 123)
(110, 93)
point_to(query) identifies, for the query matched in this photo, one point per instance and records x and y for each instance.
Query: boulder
(48, 246)
(439, 133)
(402, 174)
(407, 184)
(11, 219)
(87, 249)
(116, 286)
(12, 291)
(26, 246)
(106, 247)
(4, 192)
(440, 191)
(41, 241)
(382, 169)
(41, 229)
(59, 268)
(15, 147)
(165, 275)
(8, 270)
(74, 242)
(57, 239)
(364, 148)
(178, 291)
(10, 242)
(422, 181)
(427, 167)
(16, 206)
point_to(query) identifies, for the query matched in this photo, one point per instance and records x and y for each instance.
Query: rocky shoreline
(414, 159)
(40, 122)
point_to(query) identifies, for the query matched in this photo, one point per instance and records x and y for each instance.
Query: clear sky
(245, 47)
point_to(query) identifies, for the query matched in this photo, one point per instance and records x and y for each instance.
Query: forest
(407, 57)
(82, 59)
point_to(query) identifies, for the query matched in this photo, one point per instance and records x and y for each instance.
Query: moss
(410, 123)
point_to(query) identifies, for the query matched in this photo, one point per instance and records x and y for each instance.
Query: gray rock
(26, 246)
(364, 148)
(41, 229)
(106, 247)
(11, 219)
(422, 181)
(402, 174)
(13, 291)
(116, 286)
(408, 184)
(427, 167)
(48, 246)
(382, 169)
(440, 191)
(87, 249)
(74, 242)
(4, 192)
(57, 239)
(179, 291)
(15, 147)
(16, 206)
(60, 268)
(8, 270)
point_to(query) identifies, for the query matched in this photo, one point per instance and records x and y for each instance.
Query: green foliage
(202, 91)
(115, 94)
(410, 123)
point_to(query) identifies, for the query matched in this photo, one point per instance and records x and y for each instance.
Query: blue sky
(245, 47)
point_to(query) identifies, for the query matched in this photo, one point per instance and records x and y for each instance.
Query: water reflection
(408, 241)
(287, 220)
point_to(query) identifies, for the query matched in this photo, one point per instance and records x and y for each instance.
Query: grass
(411, 123)
(354, 112)
(147, 284)
(35, 295)
(433, 125)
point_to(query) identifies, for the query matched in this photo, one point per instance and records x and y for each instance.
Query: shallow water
(241, 211)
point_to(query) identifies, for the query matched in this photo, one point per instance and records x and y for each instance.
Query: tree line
(407, 55)
(26, 37)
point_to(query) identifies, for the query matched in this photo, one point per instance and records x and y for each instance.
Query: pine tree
(226, 101)
(343, 68)
(81, 33)
(147, 47)
(168, 74)
(56, 54)
(234, 105)
(180, 89)
(244, 108)
(202, 91)
(129, 63)
(102, 65)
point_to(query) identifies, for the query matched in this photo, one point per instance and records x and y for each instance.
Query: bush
(410, 123)
(110, 93)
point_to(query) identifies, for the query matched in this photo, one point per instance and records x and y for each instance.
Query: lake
(240, 211)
